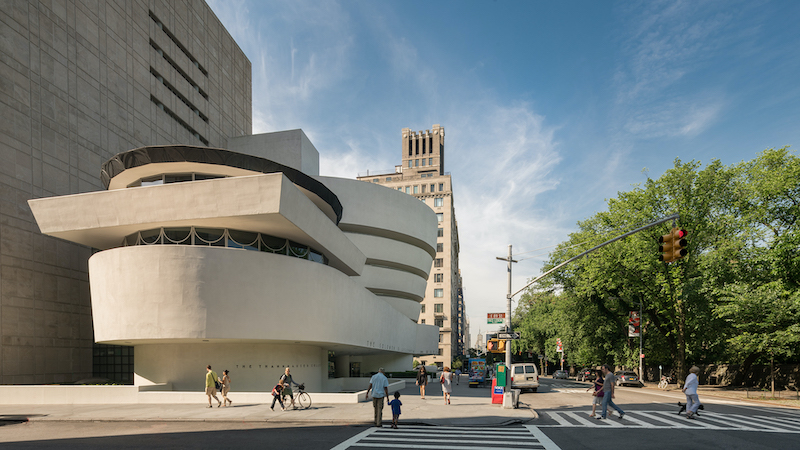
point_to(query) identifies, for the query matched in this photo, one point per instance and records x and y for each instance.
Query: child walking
(277, 394)
(395, 404)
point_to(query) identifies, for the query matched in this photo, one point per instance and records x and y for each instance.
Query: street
(651, 421)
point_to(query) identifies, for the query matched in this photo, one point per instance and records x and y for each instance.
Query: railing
(223, 237)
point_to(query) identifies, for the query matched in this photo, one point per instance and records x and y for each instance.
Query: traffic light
(673, 245)
(496, 346)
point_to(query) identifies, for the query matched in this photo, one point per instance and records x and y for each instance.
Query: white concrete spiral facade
(254, 312)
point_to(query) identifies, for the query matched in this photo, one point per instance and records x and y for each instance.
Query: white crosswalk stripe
(664, 420)
(447, 438)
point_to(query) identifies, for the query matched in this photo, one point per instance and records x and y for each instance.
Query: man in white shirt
(379, 385)
(690, 389)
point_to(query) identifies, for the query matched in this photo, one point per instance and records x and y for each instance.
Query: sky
(549, 108)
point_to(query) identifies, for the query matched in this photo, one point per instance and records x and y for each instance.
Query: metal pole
(641, 332)
(508, 311)
(652, 224)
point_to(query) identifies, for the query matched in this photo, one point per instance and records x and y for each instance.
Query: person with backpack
(212, 384)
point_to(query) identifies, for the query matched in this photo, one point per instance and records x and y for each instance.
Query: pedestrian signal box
(496, 346)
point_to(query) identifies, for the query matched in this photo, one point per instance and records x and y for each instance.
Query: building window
(438, 262)
(441, 338)
(423, 160)
(439, 247)
(440, 217)
(422, 200)
(422, 309)
(438, 278)
(416, 189)
(410, 162)
(423, 321)
(438, 293)
(416, 163)
(441, 351)
(438, 201)
(400, 189)
(423, 188)
(441, 187)
(438, 307)
(440, 232)
(439, 323)
(430, 161)
(408, 189)
(388, 178)
(433, 187)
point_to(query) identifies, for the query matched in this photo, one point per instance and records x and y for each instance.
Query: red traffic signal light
(673, 245)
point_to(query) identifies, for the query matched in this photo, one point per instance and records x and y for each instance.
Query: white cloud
(667, 43)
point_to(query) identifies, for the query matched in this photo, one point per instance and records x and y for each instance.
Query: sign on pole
(495, 318)
(634, 324)
(559, 346)
(510, 336)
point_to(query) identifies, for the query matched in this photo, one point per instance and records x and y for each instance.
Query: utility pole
(508, 305)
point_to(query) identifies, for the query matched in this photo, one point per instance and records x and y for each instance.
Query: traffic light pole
(622, 236)
(508, 309)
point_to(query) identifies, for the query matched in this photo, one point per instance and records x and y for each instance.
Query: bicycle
(301, 397)
(664, 383)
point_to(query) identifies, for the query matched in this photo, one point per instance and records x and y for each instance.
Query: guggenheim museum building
(247, 259)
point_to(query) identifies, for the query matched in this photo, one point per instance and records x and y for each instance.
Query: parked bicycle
(301, 398)
(664, 383)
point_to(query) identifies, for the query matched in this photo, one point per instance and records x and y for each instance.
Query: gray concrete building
(81, 81)
(422, 175)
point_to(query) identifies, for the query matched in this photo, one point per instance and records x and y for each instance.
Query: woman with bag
(447, 384)
(597, 395)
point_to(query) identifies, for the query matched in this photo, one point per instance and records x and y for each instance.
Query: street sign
(495, 318)
(511, 336)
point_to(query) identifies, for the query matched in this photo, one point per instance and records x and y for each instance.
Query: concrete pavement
(469, 406)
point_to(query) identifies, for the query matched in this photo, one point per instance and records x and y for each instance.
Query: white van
(524, 376)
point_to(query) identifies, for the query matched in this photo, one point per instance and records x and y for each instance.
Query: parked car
(561, 374)
(586, 374)
(627, 378)
(524, 376)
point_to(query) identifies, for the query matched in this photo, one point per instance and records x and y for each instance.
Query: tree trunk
(681, 350)
(738, 379)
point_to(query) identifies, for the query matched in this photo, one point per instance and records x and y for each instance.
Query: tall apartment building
(422, 175)
(81, 82)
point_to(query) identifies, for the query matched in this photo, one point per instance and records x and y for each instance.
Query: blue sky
(550, 108)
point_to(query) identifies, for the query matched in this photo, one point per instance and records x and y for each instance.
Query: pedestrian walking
(458, 376)
(447, 384)
(286, 382)
(277, 394)
(212, 384)
(379, 385)
(609, 383)
(690, 389)
(395, 404)
(597, 395)
(422, 380)
(226, 386)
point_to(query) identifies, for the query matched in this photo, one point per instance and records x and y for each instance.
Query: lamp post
(508, 304)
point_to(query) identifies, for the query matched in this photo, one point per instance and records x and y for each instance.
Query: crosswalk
(569, 388)
(667, 420)
(450, 438)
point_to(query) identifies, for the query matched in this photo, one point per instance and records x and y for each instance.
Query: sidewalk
(469, 407)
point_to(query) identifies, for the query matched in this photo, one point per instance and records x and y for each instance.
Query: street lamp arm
(652, 224)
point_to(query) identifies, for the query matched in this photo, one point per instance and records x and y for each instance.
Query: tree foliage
(734, 298)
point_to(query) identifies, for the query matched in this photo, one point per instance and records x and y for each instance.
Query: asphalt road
(563, 406)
